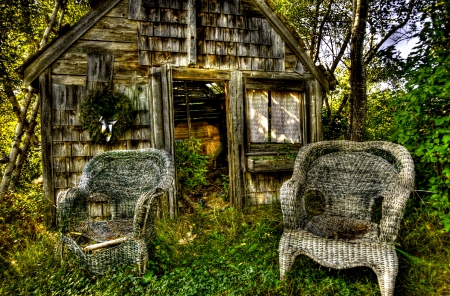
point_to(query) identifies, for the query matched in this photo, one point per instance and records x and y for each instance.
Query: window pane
(285, 114)
(258, 115)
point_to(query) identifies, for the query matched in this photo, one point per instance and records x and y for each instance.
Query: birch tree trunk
(25, 146)
(358, 88)
(50, 24)
(15, 148)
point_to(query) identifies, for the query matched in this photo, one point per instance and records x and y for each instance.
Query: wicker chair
(108, 219)
(349, 177)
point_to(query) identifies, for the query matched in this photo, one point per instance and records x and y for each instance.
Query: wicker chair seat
(103, 231)
(335, 227)
(349, 177)
(109, 218)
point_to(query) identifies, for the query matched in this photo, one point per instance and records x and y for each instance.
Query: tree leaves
(422, 117)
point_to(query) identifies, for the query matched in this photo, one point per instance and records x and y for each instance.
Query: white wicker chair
(127, 185)
(349, 176)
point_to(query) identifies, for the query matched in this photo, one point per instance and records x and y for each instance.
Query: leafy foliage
(112, 106)
(232, 254)
(422, 112)
(191, 166)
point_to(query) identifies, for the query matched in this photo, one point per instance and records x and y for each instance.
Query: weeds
(233, 253)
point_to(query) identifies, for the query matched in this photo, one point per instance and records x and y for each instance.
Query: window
(274, 116)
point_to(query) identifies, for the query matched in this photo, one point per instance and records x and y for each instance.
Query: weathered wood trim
(192, 32)
(224, 75)
(169, 134)
(270, 165)
(314, 96)
(157, 108)
(100, 69)
(293, 44)
(235, 130)
(56, 49)
(45, 95)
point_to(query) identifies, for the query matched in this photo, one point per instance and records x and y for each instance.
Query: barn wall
(225, 39)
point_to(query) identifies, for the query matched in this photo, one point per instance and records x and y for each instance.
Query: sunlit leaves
(423, 111)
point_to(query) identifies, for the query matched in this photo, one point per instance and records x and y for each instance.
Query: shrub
(191, 166)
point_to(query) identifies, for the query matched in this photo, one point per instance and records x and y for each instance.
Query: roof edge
(36, 64)
(291, 41)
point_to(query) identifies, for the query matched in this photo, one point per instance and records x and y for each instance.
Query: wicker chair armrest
(292, 205)
(392, 214)
(143, 216)
(65, 205)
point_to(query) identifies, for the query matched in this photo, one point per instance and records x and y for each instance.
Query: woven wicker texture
(348, 177)
(129, 184)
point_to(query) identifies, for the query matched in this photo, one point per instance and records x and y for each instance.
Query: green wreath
(106, 114)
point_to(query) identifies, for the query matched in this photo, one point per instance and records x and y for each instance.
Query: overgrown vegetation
(422, 115)
(232, 253)
(191, 166)
(222, 251)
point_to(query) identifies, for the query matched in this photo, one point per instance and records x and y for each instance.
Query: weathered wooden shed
(230, 71)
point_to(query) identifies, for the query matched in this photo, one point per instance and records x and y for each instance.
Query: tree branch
(371, 53)
(50, 24)
(339, 56)
(319, 35)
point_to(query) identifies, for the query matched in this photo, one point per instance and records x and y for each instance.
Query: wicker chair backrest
(350, 181)
(124, 176)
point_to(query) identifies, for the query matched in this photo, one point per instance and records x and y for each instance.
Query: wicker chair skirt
(131, 252)
(126, 185)
(349, 176)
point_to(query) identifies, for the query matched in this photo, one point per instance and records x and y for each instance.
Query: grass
(231, 253)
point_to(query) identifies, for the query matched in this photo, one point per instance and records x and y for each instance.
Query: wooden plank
(245, 63)
(53, 51)
(59, 164)
(278, 46)
(45, 95)
(110, 35)
(235, 132)
(285, 111)
(77, 164)
(80, 149)
(265, 33)
(154, 15)
(169, 137)
(100, 69)
(269, 164)
(74, 180)
(119, 11)
(222, 75)
(314, 96)
(120, 24)
(257, 115)
(191, 32)
(283, 31)
(60, 180)
(278, 85)
(136, 11)
(304, 117)
(157, 108)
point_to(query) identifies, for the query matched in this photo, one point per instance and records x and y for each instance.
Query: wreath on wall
(106, 114)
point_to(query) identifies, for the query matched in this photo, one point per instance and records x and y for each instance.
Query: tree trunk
(358, 88)
(15, 149)
(25, 146)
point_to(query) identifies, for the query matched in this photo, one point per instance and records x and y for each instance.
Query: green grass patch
(231, 253)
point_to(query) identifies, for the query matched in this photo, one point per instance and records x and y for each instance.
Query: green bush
(422, 113)
(191, 166)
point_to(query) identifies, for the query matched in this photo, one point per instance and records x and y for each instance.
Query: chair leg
(286, 261)
(387, 275)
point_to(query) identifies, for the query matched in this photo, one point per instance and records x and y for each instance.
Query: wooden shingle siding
(238, 41)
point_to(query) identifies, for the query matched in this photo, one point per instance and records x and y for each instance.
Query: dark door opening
(199, 112)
